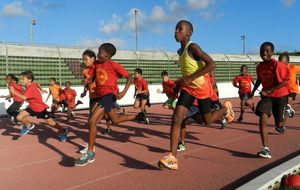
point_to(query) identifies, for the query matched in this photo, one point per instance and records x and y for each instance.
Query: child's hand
(264, 92)
(2, 96)
(120, 95)
(45, 92)
(159, 90)
(184, 80)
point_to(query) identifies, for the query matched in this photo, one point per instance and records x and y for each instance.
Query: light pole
(243, 38)
(32, 23)
(136, 30)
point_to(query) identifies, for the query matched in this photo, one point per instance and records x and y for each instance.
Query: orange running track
(214, 158)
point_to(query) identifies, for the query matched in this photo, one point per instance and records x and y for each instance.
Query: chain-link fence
(65, 63)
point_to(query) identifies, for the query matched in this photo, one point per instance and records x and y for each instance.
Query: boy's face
(266, 52)
(67, 85)
(88, 61)
(285, 60)
(25, 80)
(8, 80)
(102, 55)
(51, 82)
(165, 78)
(136, 75)
(244, 70)
(182, 31)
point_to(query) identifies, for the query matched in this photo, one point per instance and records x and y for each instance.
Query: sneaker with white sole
(290, 111)
(181, 146)
(88, 157)
(264, 153)
(169, 162)
(85, 149)
(25, 129)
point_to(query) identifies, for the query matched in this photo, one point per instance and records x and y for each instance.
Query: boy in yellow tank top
(195, 66)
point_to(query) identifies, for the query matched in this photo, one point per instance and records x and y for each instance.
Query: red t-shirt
(34, 98)
(70, 95)
(18, 88)
(244, 82)
(91, 87)
(141, 84)
(106, 76)
(168, 88)
(271, 74)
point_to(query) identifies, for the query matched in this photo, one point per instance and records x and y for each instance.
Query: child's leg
(137, 103)
(208, 115)
(55, 125)
(263, 121)
(13, 109)
(22, 117)
(107, 120)
(243, 102)
(280, 114)
(143, 105)
(183, 131)
(120, 118)
(97, 114)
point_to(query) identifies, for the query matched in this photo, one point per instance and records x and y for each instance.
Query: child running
(168, 88)
(13, 110)
(70, 95)
(243, 83)
(293, 83)
(55, 91)
(36, 106)
(274, 77)
(195, 84)
(106, 73)
(141, 94)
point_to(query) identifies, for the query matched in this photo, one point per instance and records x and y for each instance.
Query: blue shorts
(107, 102)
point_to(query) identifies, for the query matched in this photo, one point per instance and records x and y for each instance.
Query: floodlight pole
(136, 30)
(32, 23)
(243, 38)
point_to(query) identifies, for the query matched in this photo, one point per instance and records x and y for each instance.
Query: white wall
(226, 90)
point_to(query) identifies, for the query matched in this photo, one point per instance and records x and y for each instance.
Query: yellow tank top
(189, 66)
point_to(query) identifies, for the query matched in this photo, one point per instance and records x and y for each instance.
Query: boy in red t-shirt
(105, 73)
(274, 77)
(13, 109)
(70, 95)
(36, 106)
(141, 94)
(168, 88)
(243, 83)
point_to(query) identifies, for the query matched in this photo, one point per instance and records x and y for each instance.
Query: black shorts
(13, 109)
(55, 102)
(293, 95)
(43, 114)
(93, 101)
(268, 105)
(141, 97)
(107, 102)
(215, 105)
(186, 100)
(244, 96)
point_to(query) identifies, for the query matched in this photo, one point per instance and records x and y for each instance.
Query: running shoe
(223, 123)
(88, 157)
(62, 137)
(169, 162)
(265, 153)
(229, 114)
(280, 130)
(85, 149)
(25, 129)
(181, 146)
(106, 132)
(290, 111)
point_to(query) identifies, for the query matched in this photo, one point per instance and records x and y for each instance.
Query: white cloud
(199, 4)
(112, 26)
(288, 3)
(158, 14)
(14, 9)
(157, 30)
(96, 42)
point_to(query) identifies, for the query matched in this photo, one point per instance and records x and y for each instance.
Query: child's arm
(271, 90)
(14, 92)
(48, 96)
(127, 85)
(85, 89)
(41, 88)
(256, 85)
(198, 54)
(6, 97)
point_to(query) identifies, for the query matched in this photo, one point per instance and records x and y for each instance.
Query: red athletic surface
(214, 158)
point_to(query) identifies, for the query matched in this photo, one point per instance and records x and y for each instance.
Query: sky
(218, 24)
